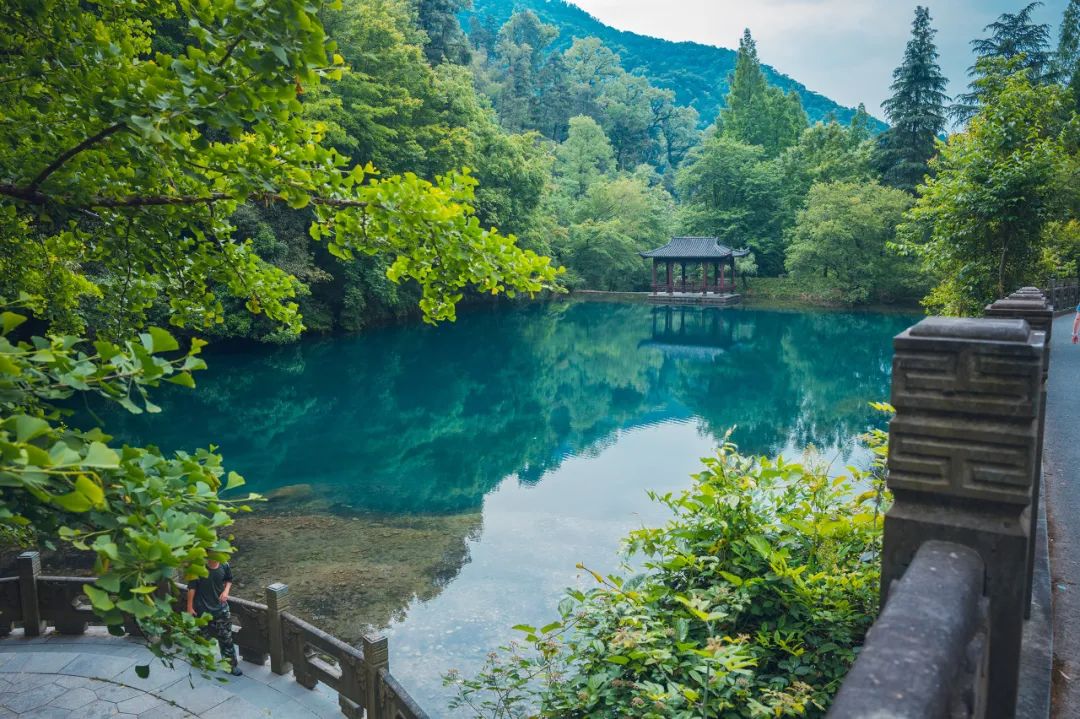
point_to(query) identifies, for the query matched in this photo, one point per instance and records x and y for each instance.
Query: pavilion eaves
(694, 248)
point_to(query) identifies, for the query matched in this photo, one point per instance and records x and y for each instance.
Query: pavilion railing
(691, 286)
(262, 632)
(965, 469)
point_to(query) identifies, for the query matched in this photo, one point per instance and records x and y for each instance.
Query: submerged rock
(291, 493)
(350, 573)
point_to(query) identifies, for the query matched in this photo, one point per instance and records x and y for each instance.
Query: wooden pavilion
(683, 251)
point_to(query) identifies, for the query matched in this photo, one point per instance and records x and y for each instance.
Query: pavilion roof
(694, 248)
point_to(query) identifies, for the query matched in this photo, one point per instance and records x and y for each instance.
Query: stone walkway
(1061, 463)
(93, 677)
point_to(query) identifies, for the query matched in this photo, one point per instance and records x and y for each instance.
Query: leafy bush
(750, 602)
(150, 519)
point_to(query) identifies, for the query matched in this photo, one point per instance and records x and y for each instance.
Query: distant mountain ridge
(697, 73)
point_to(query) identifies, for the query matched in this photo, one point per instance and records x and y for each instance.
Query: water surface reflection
(443, 482)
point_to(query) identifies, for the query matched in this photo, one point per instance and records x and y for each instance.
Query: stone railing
(920, 661)
(262, 632)
(1064, 296)
(965, 467)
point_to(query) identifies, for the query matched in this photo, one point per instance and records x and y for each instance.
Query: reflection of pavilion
(694, 332)
(695, 251)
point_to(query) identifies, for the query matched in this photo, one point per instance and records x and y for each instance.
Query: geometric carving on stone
(967, 394)
(1030, 304)
(965, 378)
(994, 465)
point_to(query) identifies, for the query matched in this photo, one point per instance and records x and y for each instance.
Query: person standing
(210, 595)
(1076, 326)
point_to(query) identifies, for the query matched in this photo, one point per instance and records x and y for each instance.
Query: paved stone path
(1061, 462)
(93, 677)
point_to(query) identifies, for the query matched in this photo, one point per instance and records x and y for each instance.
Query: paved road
(1061, 461)
(93, 677)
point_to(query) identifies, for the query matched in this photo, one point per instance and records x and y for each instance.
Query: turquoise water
(546, 422)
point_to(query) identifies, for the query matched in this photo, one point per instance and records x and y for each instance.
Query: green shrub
(750, 602)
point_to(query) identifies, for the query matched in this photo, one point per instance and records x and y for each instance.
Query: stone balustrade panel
(64, 604)
(261, 631)
(10, 604)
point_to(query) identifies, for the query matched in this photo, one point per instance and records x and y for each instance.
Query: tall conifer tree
(1066, 62)
(757, 114)
(746, 98)
(1012, 35)
(861, 123)
(446, 42)
(916, 109)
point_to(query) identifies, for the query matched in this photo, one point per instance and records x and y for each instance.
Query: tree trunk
(1001, 269)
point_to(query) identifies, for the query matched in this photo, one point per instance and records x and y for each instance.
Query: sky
(844, 49)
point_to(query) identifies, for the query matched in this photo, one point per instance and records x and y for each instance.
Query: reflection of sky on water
(533, 538)
(555, 420)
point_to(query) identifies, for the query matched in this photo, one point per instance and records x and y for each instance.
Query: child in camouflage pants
(210, 595)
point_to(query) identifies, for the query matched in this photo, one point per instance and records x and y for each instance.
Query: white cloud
(845, 49)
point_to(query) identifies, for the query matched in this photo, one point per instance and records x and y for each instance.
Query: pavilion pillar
(682, 288)
(734, 275)
(716, 277)
(723, 271)
(654, 275)
(704, 278)
(669, 283)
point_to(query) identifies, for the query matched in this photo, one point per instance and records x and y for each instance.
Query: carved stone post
(1029, 303)
(29, 569)
(962, 455)
(376, 657)
(252, 654)
(277, 601)
(10, 606)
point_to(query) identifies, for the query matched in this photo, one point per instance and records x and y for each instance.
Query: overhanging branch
(33, 196)
(68, 154)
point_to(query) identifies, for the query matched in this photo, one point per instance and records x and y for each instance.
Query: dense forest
(698, 74)
(578, 157)
(590, 145)
(589, 148)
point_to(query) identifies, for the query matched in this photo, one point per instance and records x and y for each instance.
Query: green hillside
(697, 73)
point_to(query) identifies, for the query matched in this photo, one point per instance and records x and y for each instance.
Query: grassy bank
(788, 291)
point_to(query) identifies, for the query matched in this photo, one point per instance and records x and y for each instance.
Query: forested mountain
(697, 73)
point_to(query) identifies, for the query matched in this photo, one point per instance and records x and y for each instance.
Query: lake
(440, 484)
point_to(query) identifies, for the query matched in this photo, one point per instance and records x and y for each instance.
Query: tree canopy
(1066, 61)
(845, 231)
(166, 147)
(1012, 36)
(978, 223)
(757, 113)
(916, 109)
(133, 134)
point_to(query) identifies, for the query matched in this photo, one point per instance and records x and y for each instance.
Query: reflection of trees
(792, 378)
(418, 419)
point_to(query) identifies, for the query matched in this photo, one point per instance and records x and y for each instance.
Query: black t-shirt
(208, 590)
